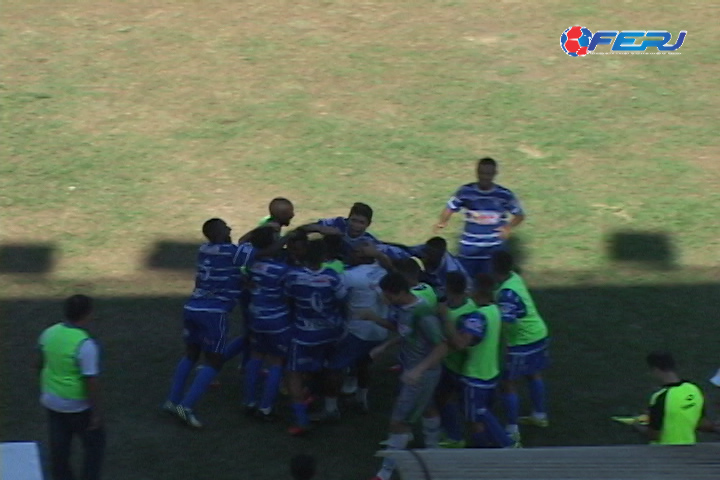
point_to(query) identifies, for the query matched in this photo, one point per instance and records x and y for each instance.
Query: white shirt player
(362, 282)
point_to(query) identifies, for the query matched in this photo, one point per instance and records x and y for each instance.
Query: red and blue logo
(579, 41)
(575, 41)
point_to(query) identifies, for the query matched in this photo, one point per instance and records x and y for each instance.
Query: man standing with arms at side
(69, 368)
(487, 226)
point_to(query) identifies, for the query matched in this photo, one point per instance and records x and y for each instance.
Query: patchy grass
(129, 123)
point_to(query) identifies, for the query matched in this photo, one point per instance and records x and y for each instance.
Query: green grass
(162, 115)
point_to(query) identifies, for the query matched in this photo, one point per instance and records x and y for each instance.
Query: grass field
(126, 124)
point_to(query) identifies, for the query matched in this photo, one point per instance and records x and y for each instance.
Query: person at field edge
(527, 340)
(69, 370)
(677, 410)
(487, 207)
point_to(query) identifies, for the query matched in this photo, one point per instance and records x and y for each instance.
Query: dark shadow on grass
(33, 258)
(169, 255)
(649, 249)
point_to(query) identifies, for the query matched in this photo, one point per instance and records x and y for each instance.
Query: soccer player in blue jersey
(526, 335)
(317, 296)
(487, 226)
(281, 212)
(270, 326)
(353, 228)
(217, 287)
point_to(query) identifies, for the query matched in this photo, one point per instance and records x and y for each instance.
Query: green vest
(455, 360)
(528, 329)
(61, 373)
(336, 265)
(680, 408)
(264, 220)
(427, 293)
(482, 360)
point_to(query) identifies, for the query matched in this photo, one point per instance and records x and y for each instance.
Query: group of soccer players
(320, 302)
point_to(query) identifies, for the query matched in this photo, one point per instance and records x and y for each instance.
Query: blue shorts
(349, 350)
(449, 382)
(209, 330)
(478, 398)
(310, 358)
(276, 344)
(527, 359)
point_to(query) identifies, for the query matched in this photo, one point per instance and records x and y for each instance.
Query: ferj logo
(579, 41)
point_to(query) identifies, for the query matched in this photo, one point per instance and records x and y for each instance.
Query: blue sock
(537, 395)
(202, 381)
(512, 407)
(494, 432)
(182, 371)
(234, 348)
(272, 386)
(246, 349)
(450, 421)
(300, 410)
(252, 373)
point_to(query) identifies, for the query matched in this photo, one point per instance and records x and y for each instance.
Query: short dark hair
(394, 283)
(277, 200)
(302, 467)
(502, 262)
(77, 307)
(262, 237)
(486, 161)
(456, 283)
(407, 267)
(663, 361)
(363, 210)
(437, 243)
(210, 226)
(315, 253)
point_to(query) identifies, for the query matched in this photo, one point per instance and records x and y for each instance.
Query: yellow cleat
(534, 421)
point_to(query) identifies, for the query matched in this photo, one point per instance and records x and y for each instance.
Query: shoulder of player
(500, 190)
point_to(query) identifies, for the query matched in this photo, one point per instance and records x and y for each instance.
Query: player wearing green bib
(410, 269)
(472, 352)
(677, 409)
(419, 331)
(527, 345)
(281, 211)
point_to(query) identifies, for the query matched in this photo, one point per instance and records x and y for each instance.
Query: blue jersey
(269, 310)
(317, 298)
(485, 212)
(217, 282)
(511, 305)
(437, 278)
(341, 223)
(474, 324)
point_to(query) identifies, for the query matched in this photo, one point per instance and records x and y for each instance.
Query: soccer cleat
(250, 410)
(350, 386)
(534, 421)
(386, 442)
(452, 444)
(514, 436)
(298, 430)
(516, 445)
(326, 416)
(267, 417)
(169, 407)
(631, 419)
(187, 416)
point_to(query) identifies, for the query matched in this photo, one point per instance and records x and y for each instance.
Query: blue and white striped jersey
(269, 310)
(317, 298)
(485, 212)
(217, 281)
(341, 223)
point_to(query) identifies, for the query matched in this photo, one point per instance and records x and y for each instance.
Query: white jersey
(364, 293)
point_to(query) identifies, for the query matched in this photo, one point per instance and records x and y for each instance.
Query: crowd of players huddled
(323, 300)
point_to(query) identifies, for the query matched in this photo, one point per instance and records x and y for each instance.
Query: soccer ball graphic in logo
(575, 40)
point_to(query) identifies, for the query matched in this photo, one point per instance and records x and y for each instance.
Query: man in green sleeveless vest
(470, 356)
(527, 345)
(677, 409)
(69, 368)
